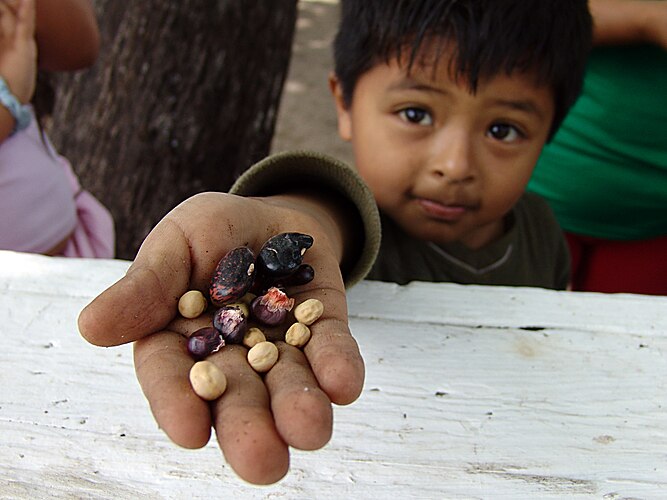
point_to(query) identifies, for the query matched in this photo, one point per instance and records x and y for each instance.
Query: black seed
(282, 254)
(303, 274)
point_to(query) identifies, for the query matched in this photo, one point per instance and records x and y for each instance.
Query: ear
(342, 111)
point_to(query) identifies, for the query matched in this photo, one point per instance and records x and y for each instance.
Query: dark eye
(418, 116)
(504, 132)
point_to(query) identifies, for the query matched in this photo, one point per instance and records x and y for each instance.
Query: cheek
(387, 184)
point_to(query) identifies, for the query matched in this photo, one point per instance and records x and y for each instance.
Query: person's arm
(67, 34)
(619, 22)
(18, 55)
(257, 419)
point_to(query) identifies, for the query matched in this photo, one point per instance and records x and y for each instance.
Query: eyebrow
(525, 105)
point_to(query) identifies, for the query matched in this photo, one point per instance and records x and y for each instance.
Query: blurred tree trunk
(183, 98)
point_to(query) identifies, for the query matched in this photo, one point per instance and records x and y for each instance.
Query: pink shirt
(37, 205)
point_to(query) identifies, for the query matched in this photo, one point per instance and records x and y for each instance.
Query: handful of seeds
(249, 293)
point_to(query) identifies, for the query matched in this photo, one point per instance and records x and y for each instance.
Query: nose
(452, 157)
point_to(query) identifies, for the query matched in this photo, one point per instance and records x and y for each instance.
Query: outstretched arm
(258, 418)
(18, 55)
(618, 22)
(67, 34)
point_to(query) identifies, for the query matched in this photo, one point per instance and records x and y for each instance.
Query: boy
(448, 104)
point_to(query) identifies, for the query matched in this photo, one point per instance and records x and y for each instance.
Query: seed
(271, 308)
(309, 311)
(245, 309)
(207, 380)
(231, 323)
(205, 341)
(233, 276)
(303, 274)
(247, 298)
(282, 254)
(253, 336)
(262, 356)
(297, 335)
(191, 304)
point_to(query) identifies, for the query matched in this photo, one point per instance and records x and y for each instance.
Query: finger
(7, 21)
(334, 357)
(25, 16)
(180, 253)
(244, 424)
(162, 365)
(302, 411)
(146, 298)
(332, 352)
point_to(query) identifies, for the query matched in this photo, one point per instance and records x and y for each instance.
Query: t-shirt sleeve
(283, 171)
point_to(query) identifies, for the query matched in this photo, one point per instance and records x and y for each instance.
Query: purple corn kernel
(233, 276)
(231, 323)
(205, 341)
(303, 274)
(282, 254)
(272, 307)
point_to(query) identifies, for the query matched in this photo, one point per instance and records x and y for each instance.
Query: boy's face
(445, 164)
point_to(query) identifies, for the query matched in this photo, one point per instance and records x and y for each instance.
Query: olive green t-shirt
(531, 253)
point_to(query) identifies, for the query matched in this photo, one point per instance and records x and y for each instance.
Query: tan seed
(308, 311)
(297, 335)
(253, 336)
(262, 356)
(207, 380)
(191, 304)
(243, 306)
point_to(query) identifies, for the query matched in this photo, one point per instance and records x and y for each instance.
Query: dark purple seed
(282, 254)
(233, 276)
(205, 341)
(231, 323)
(272, 307)
(303, 274)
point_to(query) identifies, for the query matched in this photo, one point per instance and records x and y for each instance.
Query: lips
(450, 212)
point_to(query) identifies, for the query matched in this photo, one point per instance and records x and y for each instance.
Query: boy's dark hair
(551, 37)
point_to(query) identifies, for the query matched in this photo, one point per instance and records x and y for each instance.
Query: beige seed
(262, 356)
(253, 336)
(191, 304)
(208, 381)
(241, 305)
(308, 311)
(248, 298)
(297, 335)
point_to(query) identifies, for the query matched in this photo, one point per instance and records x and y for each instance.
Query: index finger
(179, 253)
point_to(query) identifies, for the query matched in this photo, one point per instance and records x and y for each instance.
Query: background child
(44, 209)
(605, 172)
(462, 97)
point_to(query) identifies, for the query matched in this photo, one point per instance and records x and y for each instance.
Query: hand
(258, 418)
(619, 22)
(18, 49)
(657, 24)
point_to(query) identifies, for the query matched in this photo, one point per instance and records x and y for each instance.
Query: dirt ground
(307, 117)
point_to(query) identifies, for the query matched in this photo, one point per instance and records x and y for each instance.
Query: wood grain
(471, 392)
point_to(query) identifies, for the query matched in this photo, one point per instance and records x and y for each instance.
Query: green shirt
(605, 172)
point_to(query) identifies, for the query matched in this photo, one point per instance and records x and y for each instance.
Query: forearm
(618, 22)
(67, 34)
(7, 124)
(326, 185)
